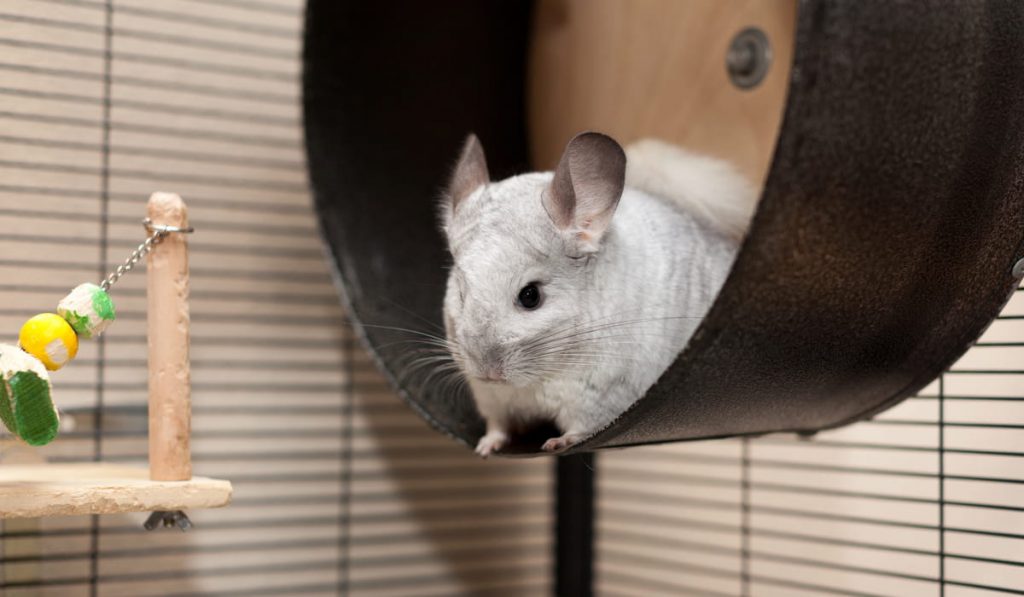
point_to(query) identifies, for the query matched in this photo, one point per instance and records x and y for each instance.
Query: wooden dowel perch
(170, 402)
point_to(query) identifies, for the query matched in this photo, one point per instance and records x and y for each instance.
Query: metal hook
(156, 234)
(165, 229)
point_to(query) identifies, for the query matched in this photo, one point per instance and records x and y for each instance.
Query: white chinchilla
(571, 293)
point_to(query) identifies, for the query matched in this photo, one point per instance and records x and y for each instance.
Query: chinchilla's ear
(469, 175)
(586, 188)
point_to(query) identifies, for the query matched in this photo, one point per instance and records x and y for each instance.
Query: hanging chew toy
(49, 341)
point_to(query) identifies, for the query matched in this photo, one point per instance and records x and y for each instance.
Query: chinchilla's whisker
(574, 351)
(418, 349)
(595, 357)
(438, 365)
(563, 345)
(419, 334)
(557, 370)
(602, 321)
(423, 344)
(395, 328)
(577, 344)
(433, 361)
(626, 322)
(565, 367)
(419, 362)
(410, 373)
(430, 323)
(584, 361)
(594, 329)
(605, 333)
(454, 382)
(428, 374)
(435, 372)
(418, 341)
(571, 327)
(416, 355)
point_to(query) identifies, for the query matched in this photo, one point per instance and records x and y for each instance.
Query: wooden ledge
(31, 491)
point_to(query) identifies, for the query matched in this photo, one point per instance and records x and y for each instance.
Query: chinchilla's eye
(529, 296)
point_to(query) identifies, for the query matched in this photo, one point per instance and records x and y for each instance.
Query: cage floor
(30, 491)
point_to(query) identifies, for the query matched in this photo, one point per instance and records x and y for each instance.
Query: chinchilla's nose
(492, 367)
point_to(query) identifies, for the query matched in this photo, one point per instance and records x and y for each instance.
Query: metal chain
(157, 233)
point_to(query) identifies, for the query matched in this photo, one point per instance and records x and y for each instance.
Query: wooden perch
(33, 490)
(170, 401)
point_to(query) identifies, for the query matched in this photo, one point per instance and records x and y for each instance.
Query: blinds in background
(925, 500)
(339, 488)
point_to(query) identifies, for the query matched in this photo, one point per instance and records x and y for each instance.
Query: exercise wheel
(889, 233)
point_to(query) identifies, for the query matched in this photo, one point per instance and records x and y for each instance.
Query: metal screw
(1018, 269)
(748, 59)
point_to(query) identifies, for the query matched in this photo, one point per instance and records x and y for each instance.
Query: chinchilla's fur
(624, 278)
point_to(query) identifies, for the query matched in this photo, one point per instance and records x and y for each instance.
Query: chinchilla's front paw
(561, 443)
(491, 442)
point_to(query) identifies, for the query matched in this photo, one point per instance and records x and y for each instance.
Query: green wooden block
(26, 405)
(34, 412)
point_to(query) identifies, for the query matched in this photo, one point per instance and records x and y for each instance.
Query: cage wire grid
(342, 490)
(339, 489)
(926, 499)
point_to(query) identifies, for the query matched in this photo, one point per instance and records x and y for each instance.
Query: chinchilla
(570, 292)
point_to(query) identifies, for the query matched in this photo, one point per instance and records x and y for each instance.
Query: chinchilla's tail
(709, 189)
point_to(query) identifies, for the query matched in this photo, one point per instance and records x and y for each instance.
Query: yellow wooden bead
(49, 338)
